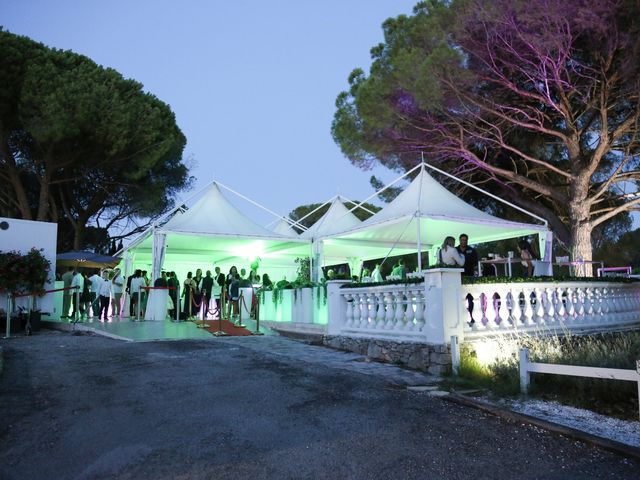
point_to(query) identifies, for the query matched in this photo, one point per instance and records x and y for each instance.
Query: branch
(614, 212)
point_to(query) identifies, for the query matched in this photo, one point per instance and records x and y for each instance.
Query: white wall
(22, 236)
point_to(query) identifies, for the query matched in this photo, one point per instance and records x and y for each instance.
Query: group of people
(91, 293)
(466, 256)
(198, 290)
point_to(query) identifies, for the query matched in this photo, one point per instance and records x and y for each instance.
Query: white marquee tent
(419, 219)
(212, 232)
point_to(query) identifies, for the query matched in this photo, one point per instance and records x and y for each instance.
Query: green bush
(21, 273)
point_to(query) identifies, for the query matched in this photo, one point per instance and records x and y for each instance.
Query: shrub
(21, 273)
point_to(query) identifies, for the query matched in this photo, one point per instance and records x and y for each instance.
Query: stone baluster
(364, 310)
(492, 309)
(502, 313)
(550, 307)
(570, 306)
(528, 314)
(420, 310)
(349, 313)
(382, 306)
(398, 323)
(579, 304)
(356, 310)
(588, 304)
(410, 312)
(538, 311)
(481, 306)
(559, 301)
(390, 310)
(605, 303)
(596, 304)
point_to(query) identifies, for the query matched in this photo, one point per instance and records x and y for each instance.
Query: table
(498, 261)
(578, 263)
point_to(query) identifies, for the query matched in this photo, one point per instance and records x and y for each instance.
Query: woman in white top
(449, 256)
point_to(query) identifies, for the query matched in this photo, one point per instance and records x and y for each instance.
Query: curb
(78, 327)
(590, 439)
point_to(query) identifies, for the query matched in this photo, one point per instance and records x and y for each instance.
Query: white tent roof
(427, 207)
(338, 218)
(282, 227)
(214, 215)
(214, 230)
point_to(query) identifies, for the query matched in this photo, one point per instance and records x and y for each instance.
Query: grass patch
(611, 350)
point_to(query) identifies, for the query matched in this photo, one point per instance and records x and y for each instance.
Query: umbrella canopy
(85, 260)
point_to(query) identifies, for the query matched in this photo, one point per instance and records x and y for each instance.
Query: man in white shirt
(137, 282)
(117, 285)
(96, 281)
(77, 284)
(104, 291)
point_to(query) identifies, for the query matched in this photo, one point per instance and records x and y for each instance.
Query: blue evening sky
(252, 83)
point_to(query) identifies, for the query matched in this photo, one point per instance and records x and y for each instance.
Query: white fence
(527, 368)
(440, 306)
(549, 306)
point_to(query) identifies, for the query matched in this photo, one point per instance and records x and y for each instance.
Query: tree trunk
(580, 225)
(78, 235)
(582, 248)
(43, 201)
(14, 177)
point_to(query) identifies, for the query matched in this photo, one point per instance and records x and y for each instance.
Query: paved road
(86, 407)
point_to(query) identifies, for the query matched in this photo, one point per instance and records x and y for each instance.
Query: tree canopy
(79, 143)
(535, 100)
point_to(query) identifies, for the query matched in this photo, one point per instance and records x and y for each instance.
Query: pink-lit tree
(537, 100)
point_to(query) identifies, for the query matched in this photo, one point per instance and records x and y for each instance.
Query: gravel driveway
(87, 407)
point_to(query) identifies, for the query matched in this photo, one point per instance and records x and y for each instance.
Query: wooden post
(525, 376)
(455, 355)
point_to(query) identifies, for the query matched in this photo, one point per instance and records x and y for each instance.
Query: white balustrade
(543, 306)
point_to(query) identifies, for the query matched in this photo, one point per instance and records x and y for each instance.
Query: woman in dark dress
(187, 293)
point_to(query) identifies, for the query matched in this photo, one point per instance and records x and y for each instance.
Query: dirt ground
(87, 407)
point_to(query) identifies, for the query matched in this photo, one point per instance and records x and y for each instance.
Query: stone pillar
(444, 305)
(337, 306)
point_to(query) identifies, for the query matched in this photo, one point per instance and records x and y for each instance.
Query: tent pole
(419, 245)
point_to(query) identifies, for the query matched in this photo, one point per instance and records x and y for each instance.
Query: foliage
(22, 273)
(611, 350)
(492, 279)
(65, 123)
(303, 271)
(536, 101)
(623, 252)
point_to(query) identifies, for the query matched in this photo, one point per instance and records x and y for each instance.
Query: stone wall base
(434, 359)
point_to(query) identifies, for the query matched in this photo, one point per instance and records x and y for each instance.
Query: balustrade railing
(496, 308)
(388, 310)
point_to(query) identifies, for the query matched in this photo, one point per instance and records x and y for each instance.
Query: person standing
(197, 292)
(77, 285)
(135, 292)
(173, 285)
(449, 255)
(187, 292)
(470, 269)
(67, 278)
(470, 256)
(96, 281)
(527, 256)
(117, 284)
(376, 276)
(104, 291)
(207, 289)
(218, 287)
